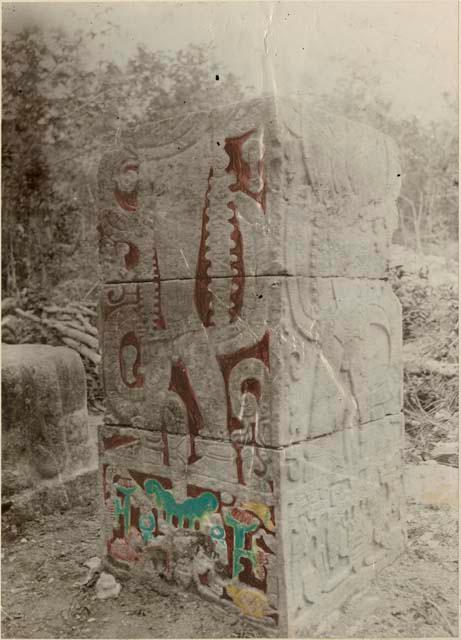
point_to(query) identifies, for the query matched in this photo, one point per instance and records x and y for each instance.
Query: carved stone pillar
(252, 358)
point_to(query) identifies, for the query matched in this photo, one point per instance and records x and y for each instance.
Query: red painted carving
(238, 280)
(242, 170)
(227, 362)
(258, 351)
(127, 201)
(166, 450)
(251, 385)
(130, 340)
(202, 293)
(116, 441)
(158, 319)
(203, 577)
(105, 489)
(180, 384)
(132, 256)
(139, 477)
(243, 173)
(124, 550)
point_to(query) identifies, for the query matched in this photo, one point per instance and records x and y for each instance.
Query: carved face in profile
(127, 178)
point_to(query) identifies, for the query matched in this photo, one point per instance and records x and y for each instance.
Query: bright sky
(412, 47)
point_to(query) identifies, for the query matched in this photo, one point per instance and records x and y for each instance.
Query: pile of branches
(430, 336)
(73, 325)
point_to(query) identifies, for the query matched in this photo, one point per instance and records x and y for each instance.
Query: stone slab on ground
(49, 454)
(431, 483)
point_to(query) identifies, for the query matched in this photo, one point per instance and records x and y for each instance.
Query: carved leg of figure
(204, 373)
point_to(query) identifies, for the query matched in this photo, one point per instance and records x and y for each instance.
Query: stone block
(309, 522)
(252, 358)
(337, 361)
(46, 443)
(262, 188)
(194, 523)
(344, 515)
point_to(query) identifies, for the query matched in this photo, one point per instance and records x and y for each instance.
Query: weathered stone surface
(338, 362)
(262, 188)
(431, 483)
(194, 523)
(316, 517)
(252, 358)
(345, 515)
(46, 443)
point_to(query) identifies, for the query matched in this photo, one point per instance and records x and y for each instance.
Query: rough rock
(94, 566)
(107, 587)
(48, 452)
(432, 484)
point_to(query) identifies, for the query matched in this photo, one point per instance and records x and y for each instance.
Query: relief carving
(252, 324)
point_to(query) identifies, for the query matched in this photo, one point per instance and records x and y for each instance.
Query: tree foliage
(58, 113)
(428, 152)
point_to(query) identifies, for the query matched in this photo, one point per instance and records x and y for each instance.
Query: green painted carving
(124, 509)
(146, 525)
(192, 509)
(240, 531)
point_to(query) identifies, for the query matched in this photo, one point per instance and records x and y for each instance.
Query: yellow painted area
(262, 511)
(250, 601)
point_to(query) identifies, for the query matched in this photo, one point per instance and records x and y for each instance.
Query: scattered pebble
(94, 567)
(23, 540)
(107, 587)
(93, 563)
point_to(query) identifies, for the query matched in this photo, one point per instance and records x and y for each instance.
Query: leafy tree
(428, 152)
(59, 112)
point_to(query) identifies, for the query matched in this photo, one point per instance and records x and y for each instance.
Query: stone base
(49, 453)
(283, 553)
(52, 496)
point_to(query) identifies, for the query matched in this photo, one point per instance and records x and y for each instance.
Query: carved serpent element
(192, 509)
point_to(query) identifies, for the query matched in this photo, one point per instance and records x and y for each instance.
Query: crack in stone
(279, 447)
(259, 275)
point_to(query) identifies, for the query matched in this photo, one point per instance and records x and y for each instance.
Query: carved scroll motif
(123, 342)
(246, 381)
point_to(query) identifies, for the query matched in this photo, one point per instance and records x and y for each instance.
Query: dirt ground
(42, 596)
